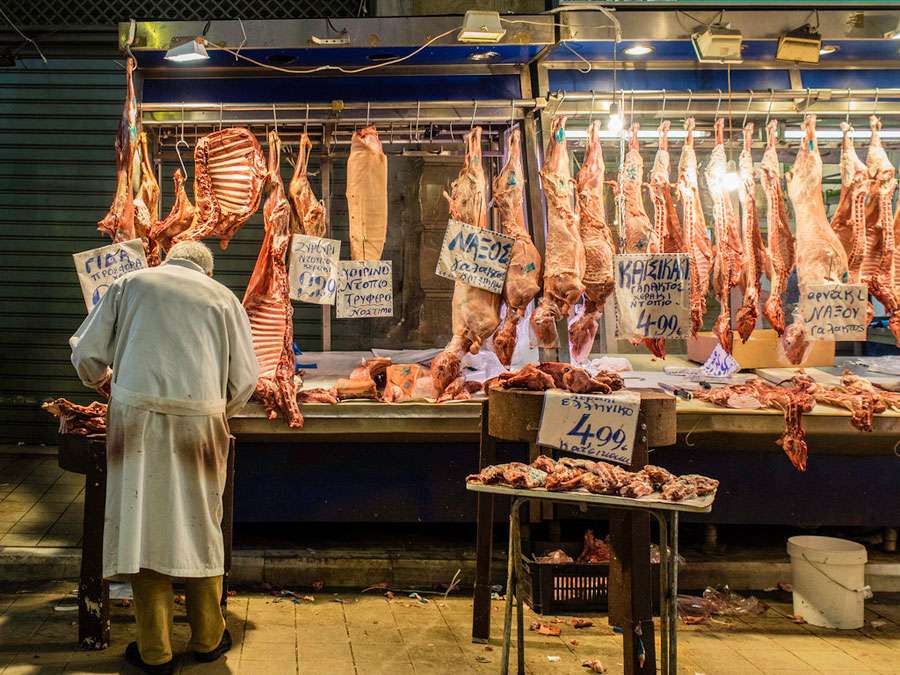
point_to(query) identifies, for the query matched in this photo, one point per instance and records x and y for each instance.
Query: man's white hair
(195, 252)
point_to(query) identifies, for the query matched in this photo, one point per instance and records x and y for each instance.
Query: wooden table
(87, 455)
(513, 415)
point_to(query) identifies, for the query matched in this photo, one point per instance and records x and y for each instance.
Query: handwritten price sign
(720, 363)
(475, 256)
(835, 311)
(602, 427)
(365, 289)
(99, 267)
(313, 269)
(653, 294)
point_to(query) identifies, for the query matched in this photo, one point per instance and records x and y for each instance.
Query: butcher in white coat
(176, 347)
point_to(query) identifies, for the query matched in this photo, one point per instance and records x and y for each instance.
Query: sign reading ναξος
(475, 256)
(835, 311)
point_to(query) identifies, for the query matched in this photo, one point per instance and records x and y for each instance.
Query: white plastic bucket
(829, 581)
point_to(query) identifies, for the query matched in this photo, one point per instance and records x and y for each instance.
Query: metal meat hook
(747, 112)
(179, 142)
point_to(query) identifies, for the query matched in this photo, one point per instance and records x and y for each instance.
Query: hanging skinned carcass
(268, 304)
(308, 212)
(755, 257)
(146, 205)
(180, 218)
(367, 195)
(849, 219)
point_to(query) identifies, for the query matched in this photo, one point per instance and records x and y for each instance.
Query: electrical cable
(24, 37)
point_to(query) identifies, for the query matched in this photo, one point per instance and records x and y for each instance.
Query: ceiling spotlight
(483, 56)
(615, 122)
(719, 43)
(639, 50)
(893, 34)
(194, 49)
(481, 27)
(802, 45)
(828, 50)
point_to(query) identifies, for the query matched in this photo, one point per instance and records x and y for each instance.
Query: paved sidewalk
(365, 634)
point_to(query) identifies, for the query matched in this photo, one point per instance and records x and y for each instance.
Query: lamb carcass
(780, 239)
(268, 305)
(640, 236)
(878, 261)
(179, 219)
(599, 246)
(119, 220)
(146, 205)
(754, 259)
(564, 263)
(727, 263)
(309, 212)
(229, 172)
(820, 256)
(367, 195)
(849, 219)
(695, 234)
(523, 279)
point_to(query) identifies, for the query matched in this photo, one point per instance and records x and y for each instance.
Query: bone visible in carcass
(849, 219)
(780, 240)
(523, 279)
(367, 195)
(268, 305)
(179, 219)
(119, 220)
(599, 246)
(146, 205)
(640, 236)
(695, 234)
(564, 259)
(309, 212)
(727, 262)
(862, 403)
(318, 395)
(755, 257)
(229, 172)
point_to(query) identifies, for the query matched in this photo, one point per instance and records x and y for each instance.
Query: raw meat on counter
(268, 304)
(555, 375)
(755, 257)
(309, 212)
(180, 218)
(523, 279)
(568, 474)
(367, 195)
(890, 399)
(599, 246)
(318, 395)
(849, 219)
(780, 239)
(862, 404)
(366, 381)
(118, 223)
(229, 173)
(564, 259)
(695, 235)
(80, 420)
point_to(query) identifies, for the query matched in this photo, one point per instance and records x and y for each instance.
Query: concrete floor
(368, 634)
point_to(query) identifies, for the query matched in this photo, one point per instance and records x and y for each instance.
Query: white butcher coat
(182, 359)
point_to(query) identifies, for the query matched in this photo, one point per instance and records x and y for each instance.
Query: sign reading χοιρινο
(313, 269)
(99, 267)
(602, 427)
(475, 256)
(835, 311)
(365, 289)
(653, 295)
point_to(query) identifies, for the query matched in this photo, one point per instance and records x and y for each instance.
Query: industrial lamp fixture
(719, 43)
(194, 49)
(481, 28)
(893, 34)
(801, 45)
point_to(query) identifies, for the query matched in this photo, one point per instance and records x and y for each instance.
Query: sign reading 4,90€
(313, 270)
(602, 427)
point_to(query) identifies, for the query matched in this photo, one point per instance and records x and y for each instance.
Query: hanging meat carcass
(146, 205)
(476, 312)
(523, 279)
(599, 246)
(229, 172)
(640, 236)
(877, 269)
(564, 258)
(268, 305)
(367, 195)
(849, 219)
(179, 219)
(780, 262)
(119, 221)
(694, 225)
(755, 258)
(727, 261)
(309, 212)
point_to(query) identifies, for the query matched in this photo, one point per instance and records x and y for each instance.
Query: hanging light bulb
(730, 179)
(615, 123)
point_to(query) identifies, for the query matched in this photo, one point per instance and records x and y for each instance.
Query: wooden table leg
(481, 611)
(93, 591)
(228, 519)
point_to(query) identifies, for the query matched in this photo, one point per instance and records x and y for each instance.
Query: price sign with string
(602, 427)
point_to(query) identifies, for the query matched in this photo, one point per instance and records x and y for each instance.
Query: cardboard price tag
(475, 256)
(365, 289)
(602, 427)
(99, 267)
(835, 311)
(313, 269)
(653, 295)
(720, 363)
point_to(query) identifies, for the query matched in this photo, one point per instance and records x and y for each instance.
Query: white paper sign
(653, 294)
(313, 269)
(720, 363)
(475, 256)
(602, 427)
(99, 267)
(365, 289)
(835, 311)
